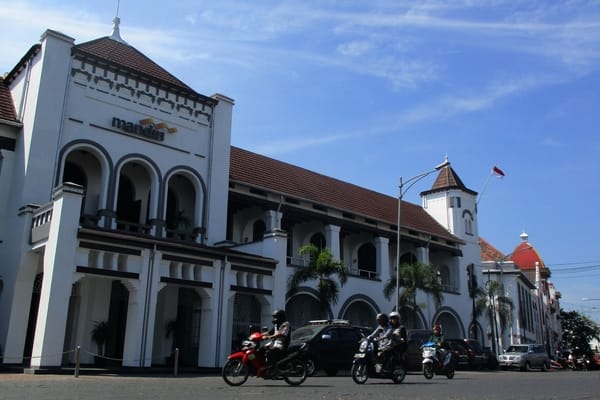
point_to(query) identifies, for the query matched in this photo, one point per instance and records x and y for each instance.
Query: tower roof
(448, 179)
(116, 54)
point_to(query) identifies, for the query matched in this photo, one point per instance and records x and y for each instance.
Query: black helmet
(382, 318)
(278, 316)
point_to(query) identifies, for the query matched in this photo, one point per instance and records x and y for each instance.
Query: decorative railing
(40, 223)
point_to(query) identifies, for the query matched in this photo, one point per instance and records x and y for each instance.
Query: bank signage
(146, 128)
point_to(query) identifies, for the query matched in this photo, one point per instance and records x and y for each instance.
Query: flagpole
(485, 184)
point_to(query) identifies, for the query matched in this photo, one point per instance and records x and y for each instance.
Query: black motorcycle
(366, 365)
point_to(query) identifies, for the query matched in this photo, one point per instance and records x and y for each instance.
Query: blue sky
(368, 91)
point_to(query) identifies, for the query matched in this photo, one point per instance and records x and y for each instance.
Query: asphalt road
(467, 385)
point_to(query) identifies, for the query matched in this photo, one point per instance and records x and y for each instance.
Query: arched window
(408, 258)
(468, 219)
(367, 261)
(318, 240)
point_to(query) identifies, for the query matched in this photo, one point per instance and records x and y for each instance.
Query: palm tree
(413, 277)
(321, 267)
(492, 301)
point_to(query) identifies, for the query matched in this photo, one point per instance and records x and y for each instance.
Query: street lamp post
(402, 190)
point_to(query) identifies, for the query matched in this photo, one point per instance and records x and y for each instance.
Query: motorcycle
(431, 363)
(365, 364)
(582, 363)
(250, 360)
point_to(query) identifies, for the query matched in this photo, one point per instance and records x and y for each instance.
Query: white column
(423, 254)
(383, 258)
(141, 313)
(59, 267)
(332, 237)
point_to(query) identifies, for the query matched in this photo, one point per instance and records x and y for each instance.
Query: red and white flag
(498, 172)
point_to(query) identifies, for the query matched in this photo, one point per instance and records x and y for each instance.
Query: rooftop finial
(115, 33)
(524, 236)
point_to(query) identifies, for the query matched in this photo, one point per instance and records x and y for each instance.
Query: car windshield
(305, 333)
(517, 349)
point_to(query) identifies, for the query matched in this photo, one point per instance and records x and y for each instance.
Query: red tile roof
(272, 175)
(119, 54)
(7, 107)
(489, 252)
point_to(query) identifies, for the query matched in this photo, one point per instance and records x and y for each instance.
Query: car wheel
(527, 367)
(544, 367)
(311, 367)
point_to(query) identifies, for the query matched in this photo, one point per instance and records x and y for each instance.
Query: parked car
(525, 357)
(415, 339)
(331, 344)
(476, 357)
(595, 364)
(464, 356)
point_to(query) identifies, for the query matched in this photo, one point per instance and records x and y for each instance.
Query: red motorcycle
(250, 360)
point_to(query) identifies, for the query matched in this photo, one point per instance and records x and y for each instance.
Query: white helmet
(394, 314)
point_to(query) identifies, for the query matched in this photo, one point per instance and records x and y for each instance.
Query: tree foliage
(492, 302)
(578, 331)
(322, 267)
(414, 277)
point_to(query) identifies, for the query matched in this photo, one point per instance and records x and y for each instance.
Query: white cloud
(354, 48)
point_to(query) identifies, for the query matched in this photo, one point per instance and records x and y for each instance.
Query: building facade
(524, 278)
(124, 202)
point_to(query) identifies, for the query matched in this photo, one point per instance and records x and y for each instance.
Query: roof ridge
(267, 173)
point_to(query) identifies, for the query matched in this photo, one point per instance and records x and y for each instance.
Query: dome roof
(525, 256)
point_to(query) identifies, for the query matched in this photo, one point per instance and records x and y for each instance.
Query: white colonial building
(122, 201)
(525, 280)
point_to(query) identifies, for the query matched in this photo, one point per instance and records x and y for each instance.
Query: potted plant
(101, 336)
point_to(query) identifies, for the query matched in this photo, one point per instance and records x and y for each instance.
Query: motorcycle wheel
(359, 373)
(234, 372)
(428, 371)
(450, 374)
(398, 375)
(296, 372)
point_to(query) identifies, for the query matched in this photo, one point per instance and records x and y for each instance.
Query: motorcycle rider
(438, 338)
(397, 342)
(383, 336)
(279, 337)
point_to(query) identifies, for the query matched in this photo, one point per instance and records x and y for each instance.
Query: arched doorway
(302, 308)
(246, 318)
(360, 313)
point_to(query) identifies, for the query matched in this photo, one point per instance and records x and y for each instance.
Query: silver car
(525, 357)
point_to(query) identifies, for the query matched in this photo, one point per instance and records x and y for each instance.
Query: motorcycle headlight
(363, 346)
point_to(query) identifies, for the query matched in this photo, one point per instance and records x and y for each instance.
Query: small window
(455, 202)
